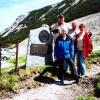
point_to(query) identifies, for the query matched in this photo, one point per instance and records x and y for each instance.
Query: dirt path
(56, 92)
(52, 92)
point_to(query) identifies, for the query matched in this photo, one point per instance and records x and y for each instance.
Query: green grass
(7, 81)
(7, 69)
(93, 58)
(21, 62)
(40, 68)
(97, 78)
(98, 85)
(21, 59)
(86, 98)
(10, 81)
(96, 54)
(97, 89)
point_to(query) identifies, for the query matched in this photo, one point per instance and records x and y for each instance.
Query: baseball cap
(60, 16)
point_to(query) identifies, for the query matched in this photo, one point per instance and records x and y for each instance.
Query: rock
(29, 87)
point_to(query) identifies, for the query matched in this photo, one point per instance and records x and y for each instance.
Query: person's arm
(56, 49)
(52, 27)
(88, 44)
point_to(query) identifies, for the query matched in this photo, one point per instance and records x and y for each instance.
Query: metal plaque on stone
(38, 49)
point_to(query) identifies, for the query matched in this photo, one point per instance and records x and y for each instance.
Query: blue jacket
(64, 48)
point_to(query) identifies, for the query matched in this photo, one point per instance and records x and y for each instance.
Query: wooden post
(16, 57)
(0, 59)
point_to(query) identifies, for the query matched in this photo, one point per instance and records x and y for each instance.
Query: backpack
(90, 41)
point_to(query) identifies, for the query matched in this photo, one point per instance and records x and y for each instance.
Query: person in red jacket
(83, 49)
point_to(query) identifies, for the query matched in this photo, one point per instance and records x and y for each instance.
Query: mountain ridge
(71, 9)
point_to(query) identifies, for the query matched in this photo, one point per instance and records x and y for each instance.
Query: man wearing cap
(55, 28)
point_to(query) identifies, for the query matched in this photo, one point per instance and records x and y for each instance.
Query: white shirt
(64, 38)
(80, 41)
(59, 27)
(72, 33)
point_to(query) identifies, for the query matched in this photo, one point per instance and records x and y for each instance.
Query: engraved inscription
(38, 49)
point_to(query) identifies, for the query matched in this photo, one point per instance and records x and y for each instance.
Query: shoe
(77, 81)
(87, 77)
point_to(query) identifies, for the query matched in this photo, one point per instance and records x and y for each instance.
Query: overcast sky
(11, 9)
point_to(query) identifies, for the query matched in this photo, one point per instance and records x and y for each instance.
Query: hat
(60, 16)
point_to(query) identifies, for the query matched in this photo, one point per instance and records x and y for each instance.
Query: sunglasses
(81, 27)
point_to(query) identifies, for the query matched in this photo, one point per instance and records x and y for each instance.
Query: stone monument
(39, 50)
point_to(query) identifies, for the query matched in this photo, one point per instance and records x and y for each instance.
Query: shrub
(8, 81)
(97, 90)
(93, 58)
(98, 86)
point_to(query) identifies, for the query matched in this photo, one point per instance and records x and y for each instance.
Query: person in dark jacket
(64, 53)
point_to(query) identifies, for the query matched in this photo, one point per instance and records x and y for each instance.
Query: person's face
(82, 29)
(73, 26)
(60, 20)
(63, 33)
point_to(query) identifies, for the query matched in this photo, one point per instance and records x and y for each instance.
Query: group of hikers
(71, 46)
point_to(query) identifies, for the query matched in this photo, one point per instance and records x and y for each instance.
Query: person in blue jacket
(64, 53)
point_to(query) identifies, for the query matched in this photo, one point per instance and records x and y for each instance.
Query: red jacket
(91, 45)
(87, 44)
